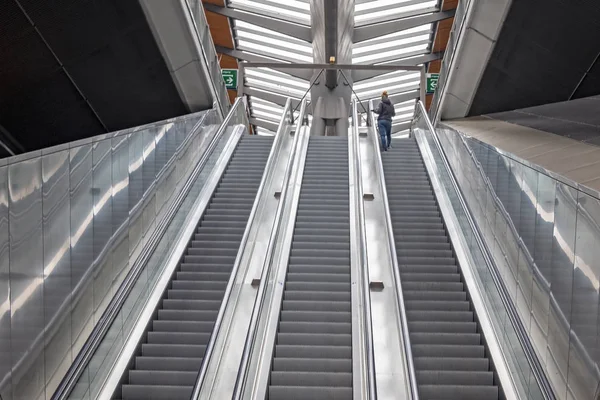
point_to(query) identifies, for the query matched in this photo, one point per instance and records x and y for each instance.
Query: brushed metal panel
(583, 377)
(26, 277)
(57, 266)
(5, 345)
(82, 243)
(120, 208)
(561, 284)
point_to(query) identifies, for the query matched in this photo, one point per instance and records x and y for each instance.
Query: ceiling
(75, 69)
(268, 30)
(544, 54)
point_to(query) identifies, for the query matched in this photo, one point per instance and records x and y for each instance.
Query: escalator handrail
(238, 260)
(242, 374)
(539, 374)
(112, 310)
(394, 258)
(363, 260)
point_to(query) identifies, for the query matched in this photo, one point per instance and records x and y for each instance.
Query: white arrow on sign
(229, 80)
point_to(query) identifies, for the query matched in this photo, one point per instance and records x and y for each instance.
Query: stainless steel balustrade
(73, 221)
(542, 230)
(410, 368)
(95, 362)
(514, 362)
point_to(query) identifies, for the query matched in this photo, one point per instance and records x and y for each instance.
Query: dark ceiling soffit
(358, 75)
(262, 123)
(331, 40)
(270, 97)
(294, 30)
(298, 73)
(373, 31)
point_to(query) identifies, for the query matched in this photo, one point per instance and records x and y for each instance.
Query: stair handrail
(363, 265)
(412, 376)
(238, 260)
(242, 374)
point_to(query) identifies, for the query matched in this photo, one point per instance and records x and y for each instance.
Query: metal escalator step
(443, 326)
(322, 277)
(458, 392)
(315, 286)
(441, 316)
(316, 316)
(199, 285)
(285, 378)
(318, 269)
(470, 378)
(182, 326)
(176, 304)
(156, 392)
(313, 305)
(445, 338)
(313, 393)
(452, 363)
(312, 364)
(434, 295)
(173, 350)
(177, 337)
(171, 378)
(428, 269)
(311, 339)
(291, 351)
(430, 305)
(187, 315)
(316, 296)
(429, 277)
(195, 294)
(314, 259)
(168, 363)
(314, 327)
(448, 350)
(433, 286)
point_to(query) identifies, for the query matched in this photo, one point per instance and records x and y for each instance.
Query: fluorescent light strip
(274, 42)
(259, 48)
(389, 44)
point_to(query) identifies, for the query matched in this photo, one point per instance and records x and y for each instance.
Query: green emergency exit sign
(230, 77)
(432, 81)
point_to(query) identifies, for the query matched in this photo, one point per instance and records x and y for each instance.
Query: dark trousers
(385, 131)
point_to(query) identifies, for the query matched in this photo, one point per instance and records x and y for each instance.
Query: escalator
(169, 357)
(313, 348)
(450, 357)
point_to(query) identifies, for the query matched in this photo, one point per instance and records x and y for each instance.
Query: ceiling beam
(272, 97)
(361, 75)
(373, 31)
(240, 55)
(294, 30)
(265, 124)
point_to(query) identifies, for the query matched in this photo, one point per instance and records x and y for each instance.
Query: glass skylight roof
(269, 88)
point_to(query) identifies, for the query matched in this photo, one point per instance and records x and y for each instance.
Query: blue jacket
(385, 110)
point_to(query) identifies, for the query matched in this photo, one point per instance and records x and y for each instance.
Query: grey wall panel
(5, 345)
(57, 266)
(26, 287)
